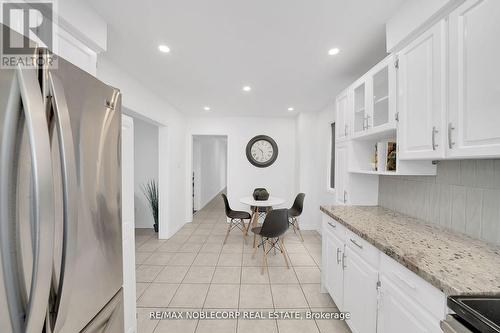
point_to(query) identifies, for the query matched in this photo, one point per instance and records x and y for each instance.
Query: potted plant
(150, 190)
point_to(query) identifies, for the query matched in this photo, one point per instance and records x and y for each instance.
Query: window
(332, 157)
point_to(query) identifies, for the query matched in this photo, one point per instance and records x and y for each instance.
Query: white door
(128, 232)
(342, 121)
(341, 173)
(474, 113)
(334, 271)
(421, 92)
(360, 293)
(399, 313)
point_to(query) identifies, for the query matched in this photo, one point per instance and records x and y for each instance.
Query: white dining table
(256, 204)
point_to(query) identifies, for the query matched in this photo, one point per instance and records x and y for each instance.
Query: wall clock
(262, 151)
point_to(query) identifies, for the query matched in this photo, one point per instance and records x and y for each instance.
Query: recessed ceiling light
(206, 108)
(163, 48)
(333, 51)
(290, 109)
(247, 88)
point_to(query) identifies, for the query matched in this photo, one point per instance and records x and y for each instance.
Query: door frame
(189, 184)
(164, 230)
(128, 224)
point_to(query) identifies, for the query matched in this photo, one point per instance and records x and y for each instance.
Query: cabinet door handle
(450, 129)
(356, 243)
(434, 131)
(367, 121)
(332, 225)
(345, 130)
(338, 259)
(345, 195)
(344, 266)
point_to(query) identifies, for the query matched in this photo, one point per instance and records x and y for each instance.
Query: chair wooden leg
(282, 245)
(228, 231)
(254, 252)
(248, 226)
(255, 217)
(264, 257)
(254, 241)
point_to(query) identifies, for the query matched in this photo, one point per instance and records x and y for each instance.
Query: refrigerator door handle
(70, 200)
(43, 185)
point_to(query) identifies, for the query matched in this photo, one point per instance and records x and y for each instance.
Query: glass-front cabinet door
(381, 97)
(360, 111)
(382, 80)
(374, 99)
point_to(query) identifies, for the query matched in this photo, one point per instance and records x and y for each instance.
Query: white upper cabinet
(421, 96)
(383, 95)
(373, 105)
(474, 103)
(360, 107)
(342, 108)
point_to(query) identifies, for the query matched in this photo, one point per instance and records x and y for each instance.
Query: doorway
(145, 174)
(209, 172)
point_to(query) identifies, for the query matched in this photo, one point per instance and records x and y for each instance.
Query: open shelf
(362, 157)
(376, 133)
(389, 173)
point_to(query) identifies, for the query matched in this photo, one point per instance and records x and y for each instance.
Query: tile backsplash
(464, 197)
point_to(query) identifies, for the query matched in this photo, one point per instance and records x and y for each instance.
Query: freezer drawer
(110, 319)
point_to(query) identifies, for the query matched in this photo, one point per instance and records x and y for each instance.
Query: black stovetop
(480, 312)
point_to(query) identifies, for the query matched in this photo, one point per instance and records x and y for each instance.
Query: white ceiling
(278, 47)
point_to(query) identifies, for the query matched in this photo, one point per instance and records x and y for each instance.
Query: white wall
(145, 169)
(313, 150)
(79, 34)
(209, 167)
(242, 177)
(172, 142)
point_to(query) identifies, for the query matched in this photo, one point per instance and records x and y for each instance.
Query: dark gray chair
(295, 212)
(271, 233)
(237, 218)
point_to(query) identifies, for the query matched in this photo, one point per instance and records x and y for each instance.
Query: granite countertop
(454, 263)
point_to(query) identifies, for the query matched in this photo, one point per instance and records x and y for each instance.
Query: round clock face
(262, 151)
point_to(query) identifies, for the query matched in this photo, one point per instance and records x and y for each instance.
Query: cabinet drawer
(330, 225)
(419, 290)
(364, 249)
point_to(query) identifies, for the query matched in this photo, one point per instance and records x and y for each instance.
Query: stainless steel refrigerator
(60, 201)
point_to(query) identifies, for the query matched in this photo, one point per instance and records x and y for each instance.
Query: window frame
(331, 161)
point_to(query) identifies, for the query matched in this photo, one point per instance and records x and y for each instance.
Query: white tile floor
(193, 271)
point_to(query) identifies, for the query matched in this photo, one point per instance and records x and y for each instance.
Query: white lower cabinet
(335, 275)
(360, 292)
(381, 295)
(399, 313)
